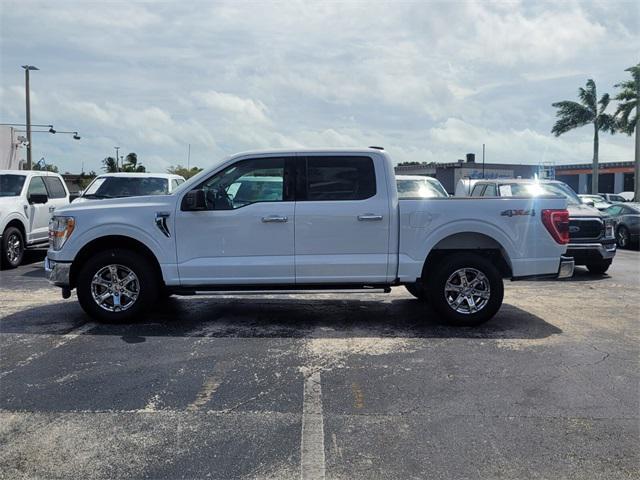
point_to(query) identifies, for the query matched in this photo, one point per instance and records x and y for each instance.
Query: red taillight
(557, 223)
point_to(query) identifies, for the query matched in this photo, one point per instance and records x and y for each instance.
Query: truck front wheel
(117, 286)
(12, 248)
(465, 289)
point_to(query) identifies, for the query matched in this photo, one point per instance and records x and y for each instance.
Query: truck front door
(243, 233)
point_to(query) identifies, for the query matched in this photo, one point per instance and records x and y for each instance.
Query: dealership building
(613, 177)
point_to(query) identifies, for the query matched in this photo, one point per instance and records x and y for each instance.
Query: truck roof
(29, 172)
(293, 151)
(140, 175)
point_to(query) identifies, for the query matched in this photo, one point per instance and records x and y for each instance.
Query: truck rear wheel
(599, 268)
(465, 289)
(117, 286)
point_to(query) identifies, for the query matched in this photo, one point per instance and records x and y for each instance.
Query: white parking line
(312, 444)
(66, 338)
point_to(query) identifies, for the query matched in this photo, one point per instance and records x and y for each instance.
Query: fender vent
(161, 223)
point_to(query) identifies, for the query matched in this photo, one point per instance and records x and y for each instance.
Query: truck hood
(576, 211)
(165, 202)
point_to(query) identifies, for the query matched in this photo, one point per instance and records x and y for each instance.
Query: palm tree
(131, 164)
(590, 110)
(629, 99)
(110, 165)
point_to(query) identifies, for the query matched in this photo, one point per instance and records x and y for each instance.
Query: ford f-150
(302, 221)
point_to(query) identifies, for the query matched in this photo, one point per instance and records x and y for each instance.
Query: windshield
(11, 185)
(536, 189)
(419, 188)
(112, 187)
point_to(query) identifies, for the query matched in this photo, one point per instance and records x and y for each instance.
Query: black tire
(439, 299)
(12, 248)
(623, 239)
(599, 268)
(148, 285)
(417, 290)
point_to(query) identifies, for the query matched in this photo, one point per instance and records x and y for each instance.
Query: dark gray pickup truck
(591, 232)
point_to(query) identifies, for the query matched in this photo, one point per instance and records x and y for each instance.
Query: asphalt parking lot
(325, 386)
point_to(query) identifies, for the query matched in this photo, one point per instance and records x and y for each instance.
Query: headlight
(609, 228)
(60, 229)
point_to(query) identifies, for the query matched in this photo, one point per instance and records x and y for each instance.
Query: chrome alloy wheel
(467, 290)
(115, 288)
(14, 248)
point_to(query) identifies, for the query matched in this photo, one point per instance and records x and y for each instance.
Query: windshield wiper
(96, 195)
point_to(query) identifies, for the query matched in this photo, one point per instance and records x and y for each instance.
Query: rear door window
(338, 178)
(490, 191)
(477, 190)
(55, 187)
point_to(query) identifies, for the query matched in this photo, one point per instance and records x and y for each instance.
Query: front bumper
(58, 273)
(589, 252)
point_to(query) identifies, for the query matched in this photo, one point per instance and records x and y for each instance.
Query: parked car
(628, 196)
(124, 184)
(27, 200)
(627, 218)
(464, 187)
(614, 197)
(592, 237)
(332, 221)
(596, 201)
(419, 186)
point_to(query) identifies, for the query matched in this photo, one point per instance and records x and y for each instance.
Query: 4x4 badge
(514, 213)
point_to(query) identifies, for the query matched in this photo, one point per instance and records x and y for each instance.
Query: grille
(587, 228)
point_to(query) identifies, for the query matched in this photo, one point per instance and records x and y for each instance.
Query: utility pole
(188, 157)
(117, 149)
(636, 182)
(483, 160)
(27, 96)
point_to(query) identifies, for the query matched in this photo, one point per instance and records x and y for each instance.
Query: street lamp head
(30, 67)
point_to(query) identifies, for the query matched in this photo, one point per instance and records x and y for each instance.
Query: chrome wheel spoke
(467, 290)
(115, 288)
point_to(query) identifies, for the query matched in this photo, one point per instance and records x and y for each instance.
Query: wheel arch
(469, 242)
(109, 242)
(17, 223)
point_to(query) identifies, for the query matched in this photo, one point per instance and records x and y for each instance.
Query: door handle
(369, 217)
(275, 219)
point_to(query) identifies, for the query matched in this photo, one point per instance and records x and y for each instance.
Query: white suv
(27, 200)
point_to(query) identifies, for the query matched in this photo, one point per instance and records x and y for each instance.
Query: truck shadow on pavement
(281, 317)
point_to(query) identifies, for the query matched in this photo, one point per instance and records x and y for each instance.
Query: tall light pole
(27, 68)
(117, 149)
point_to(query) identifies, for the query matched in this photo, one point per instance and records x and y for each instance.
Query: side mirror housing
(35, 198)
(589, 203)
(194, 200)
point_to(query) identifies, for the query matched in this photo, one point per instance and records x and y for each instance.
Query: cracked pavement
(212, 387)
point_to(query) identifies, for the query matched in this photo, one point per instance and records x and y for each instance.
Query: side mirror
(38, 198)
(194, 200)
(589, 203)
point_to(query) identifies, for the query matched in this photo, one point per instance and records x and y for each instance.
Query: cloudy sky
(430, 81)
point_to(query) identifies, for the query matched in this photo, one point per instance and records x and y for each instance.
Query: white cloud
(429, 81)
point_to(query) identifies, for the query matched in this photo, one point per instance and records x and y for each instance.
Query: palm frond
(604, 102)
(570, 115)
(607, 123)
(588, 96)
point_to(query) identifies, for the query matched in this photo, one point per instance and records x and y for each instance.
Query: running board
(296, 291)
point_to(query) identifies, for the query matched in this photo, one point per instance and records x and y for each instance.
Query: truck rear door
(341, 219)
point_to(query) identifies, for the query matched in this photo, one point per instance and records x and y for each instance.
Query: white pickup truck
(303, 221)
(27, 200)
